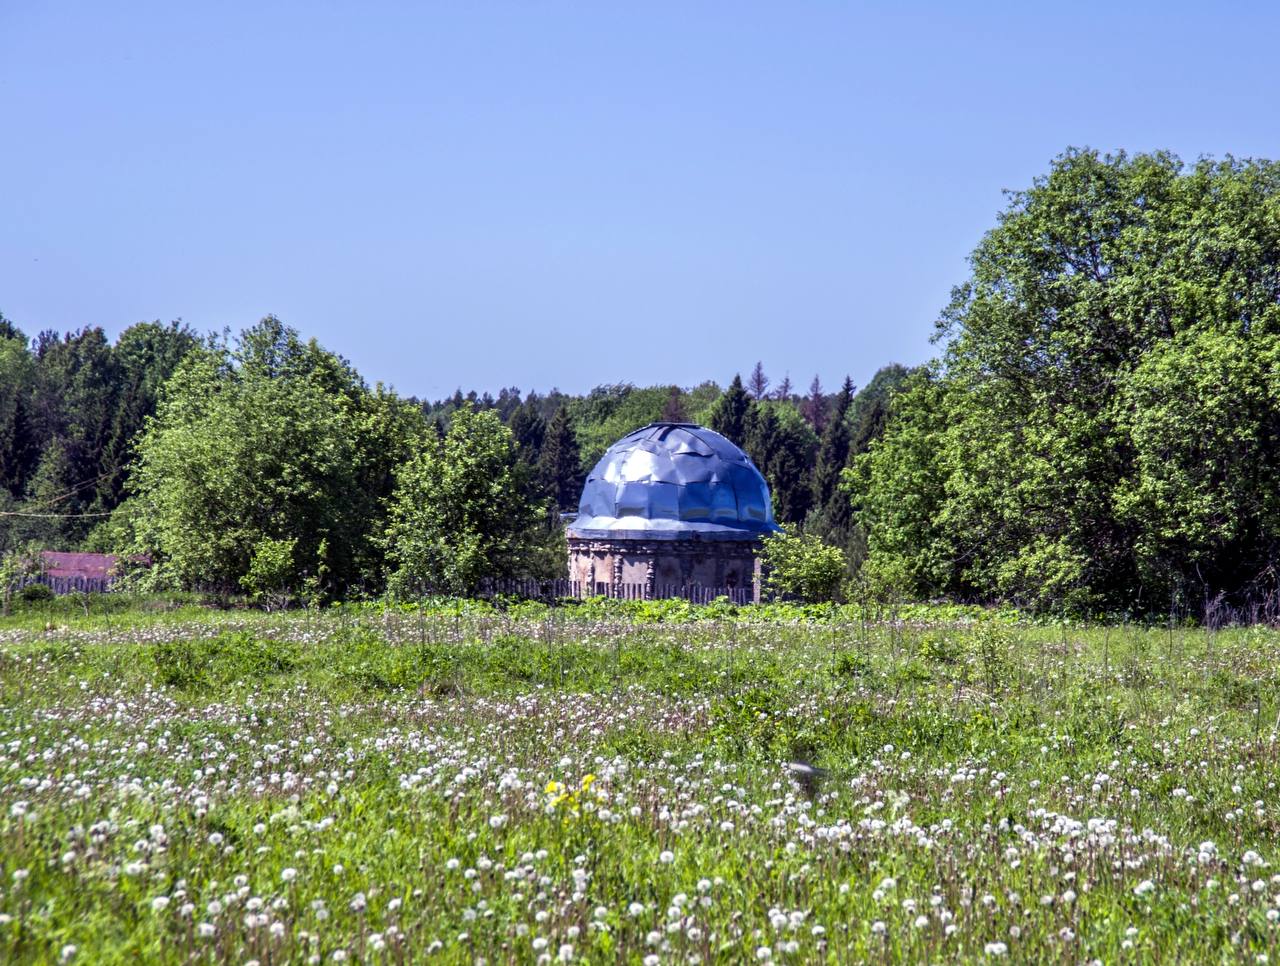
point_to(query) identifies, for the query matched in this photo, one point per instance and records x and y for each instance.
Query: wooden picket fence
(528, 588)
(71, 585)
(533, 589)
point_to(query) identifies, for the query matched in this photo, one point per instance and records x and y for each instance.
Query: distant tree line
(1100, 432)
(71, 408)
(266, 465)
(801, 443)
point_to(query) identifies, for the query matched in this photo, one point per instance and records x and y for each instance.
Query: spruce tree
(789, 465)
(673, 408)
(730, 416)
(529, 430)
(869, 413)
(759, 382)
(560, 466)
(814, 406)
(19, 449)
(832, 506)
(761, 436)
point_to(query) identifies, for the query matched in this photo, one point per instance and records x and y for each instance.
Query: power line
(50, 501)
(52, 516)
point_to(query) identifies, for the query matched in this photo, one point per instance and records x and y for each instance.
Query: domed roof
(674, 481)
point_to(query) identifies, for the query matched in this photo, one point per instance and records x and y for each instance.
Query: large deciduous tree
(461, 512)
(1102, 426)
(274, 440)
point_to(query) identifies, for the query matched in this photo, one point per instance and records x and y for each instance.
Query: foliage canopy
(462, 511)
(1103, 426)
(274, 440)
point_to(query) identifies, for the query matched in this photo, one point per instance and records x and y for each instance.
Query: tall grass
(602, 783)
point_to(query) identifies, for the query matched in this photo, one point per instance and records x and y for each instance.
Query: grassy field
(612, 784)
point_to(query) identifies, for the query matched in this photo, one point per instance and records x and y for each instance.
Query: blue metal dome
(673, 481)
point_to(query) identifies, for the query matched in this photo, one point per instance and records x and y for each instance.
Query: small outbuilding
(672, 505)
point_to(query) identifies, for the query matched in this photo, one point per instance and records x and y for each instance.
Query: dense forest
(1100, 429)
(75, 408)
(71, 407)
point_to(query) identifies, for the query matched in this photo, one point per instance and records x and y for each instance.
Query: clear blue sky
(544, 194)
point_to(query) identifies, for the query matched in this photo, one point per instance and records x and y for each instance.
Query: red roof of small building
(60, 564)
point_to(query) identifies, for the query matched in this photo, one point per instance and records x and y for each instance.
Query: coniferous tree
(781, 445)
(814, 406)
(673, 409)
(834, 512)
(869, 413)
(789, 467)
(759, 383)
(783, 392)
(560, 467)
(529, 430)
(730, 416)
(19, 449)
(508, 402)
(761, 436)
(74, 401)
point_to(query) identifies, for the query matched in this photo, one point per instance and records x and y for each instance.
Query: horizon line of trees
(253, 463)
(1100, 430)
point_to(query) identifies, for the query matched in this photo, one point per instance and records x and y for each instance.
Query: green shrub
(35, 593)
(803, 566)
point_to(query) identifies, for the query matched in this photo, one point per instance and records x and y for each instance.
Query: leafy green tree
(1202, 415)
(144, 357)
(16, 565)
(460, 513)
(271, 573)
(19, 449)
(897, 490)
(608, 413)
(1086, 344)
(274, 440)
(802, 565)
